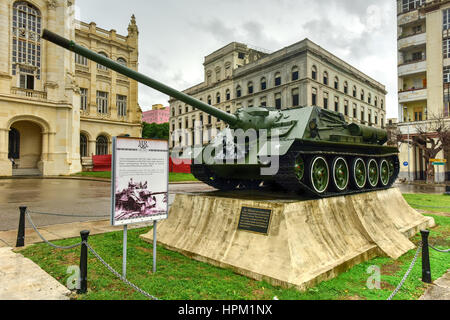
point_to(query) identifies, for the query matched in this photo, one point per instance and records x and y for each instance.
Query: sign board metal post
(124, 259)
(155, 223)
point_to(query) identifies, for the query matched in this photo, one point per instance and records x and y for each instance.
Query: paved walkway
(439, 290)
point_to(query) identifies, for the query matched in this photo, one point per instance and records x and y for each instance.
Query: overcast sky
(176, 35)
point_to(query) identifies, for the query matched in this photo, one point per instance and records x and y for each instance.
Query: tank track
(286, 177)
(288, 180)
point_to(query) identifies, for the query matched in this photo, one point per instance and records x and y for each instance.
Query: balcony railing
(40, 95)
(412, 89)
(410, 34)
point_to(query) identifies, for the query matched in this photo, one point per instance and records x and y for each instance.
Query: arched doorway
(101, 146)
(25, 145)
(83, 146)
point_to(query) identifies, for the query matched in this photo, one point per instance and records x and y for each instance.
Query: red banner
(180, 166)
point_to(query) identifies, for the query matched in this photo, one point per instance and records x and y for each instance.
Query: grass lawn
(173, 177)
(179, 277)
(429, 202)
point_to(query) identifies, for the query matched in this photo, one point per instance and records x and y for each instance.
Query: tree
(155, 131)
(431, 137)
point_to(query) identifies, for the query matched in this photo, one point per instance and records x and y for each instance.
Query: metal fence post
(21, 231)
(83, 263)
(426, 268)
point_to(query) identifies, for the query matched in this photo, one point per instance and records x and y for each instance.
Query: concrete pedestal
(307, 242)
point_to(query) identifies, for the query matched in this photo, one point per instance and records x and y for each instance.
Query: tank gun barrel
(91, 55)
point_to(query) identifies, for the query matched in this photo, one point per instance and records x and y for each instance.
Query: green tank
(304, 149)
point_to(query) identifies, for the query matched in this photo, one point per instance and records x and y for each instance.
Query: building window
(345, 87)
(122, 61)
(314, 97)
(241, 55)
(84, 99)
(26, 78)
(263, 84)
(346, 107)
(228, 94)
(99, 66)
(336, 104)
(382, 104)
(314, 73)
(446, 19)
(408, 5)
(218, 97)
(102, 102)
(445, 48)
(26, 37)
(238, 91)
(209, 100)
(325, 78)
(263, 101)
(101, 147)
(295, 73)
(354, 91)
(250, 87)
(355, 111)
(278, 101)
(325, 100)
(277, 79)
(369, 99)
(376, 102)
(447, 74)
(295, 98)
(362, 95)
(81, 60)
(250, 103)
(336, 83)
(83, 146)
(363, 115)
(121, 104)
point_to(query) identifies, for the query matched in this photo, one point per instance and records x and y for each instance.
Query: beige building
(302, 74)
(57, 107)
(423, 74)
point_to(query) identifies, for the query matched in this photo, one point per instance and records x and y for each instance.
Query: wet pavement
(64, 196)
(414, 188)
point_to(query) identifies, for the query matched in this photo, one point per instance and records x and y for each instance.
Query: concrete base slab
(439, 290)
(307, 242)
(21, 279)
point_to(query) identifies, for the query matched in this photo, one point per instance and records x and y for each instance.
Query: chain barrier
(439, 250)
(67, 215)
(48, 242)
(407, 274)
(118, 275)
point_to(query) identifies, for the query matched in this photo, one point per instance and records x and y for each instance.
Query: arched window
(122, 61)
(209, 100)
(83, 145)
(101, 146)
(314, 72)
(336, 83)
(277, 79)
(14, 144)
(26, 46)
(354, 91)
(218, 97)
(325, 78)
(376, 101)
(369, 98)
(228, 94)
(263, 84)
(346, 87)
(250, 87)
(294, 73)
(99, 66)
(238, 91)
(362, 95)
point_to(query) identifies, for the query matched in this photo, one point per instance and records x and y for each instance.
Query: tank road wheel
(340, 174)
(391, 167)
(299, 168)
(319, 174)
(373, 173)
(359, 175)
(384, 173)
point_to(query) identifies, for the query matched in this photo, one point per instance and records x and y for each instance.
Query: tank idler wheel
(299, 168)
(340, 174)
(358, 174)
(319, 174)
(373, 173)
(384, 172)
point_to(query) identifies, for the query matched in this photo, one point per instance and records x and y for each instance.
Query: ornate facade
(56, 107)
